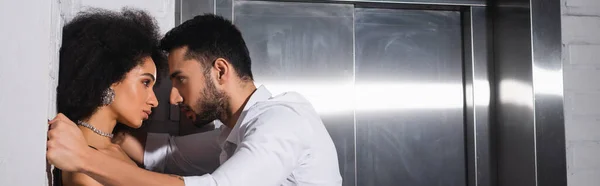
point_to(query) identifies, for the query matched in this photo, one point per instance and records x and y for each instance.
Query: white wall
(162, 10)
(581, 63)
(27, 49)
(29, 41)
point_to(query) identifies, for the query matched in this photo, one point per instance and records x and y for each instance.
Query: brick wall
(581, 64)
(28, 48)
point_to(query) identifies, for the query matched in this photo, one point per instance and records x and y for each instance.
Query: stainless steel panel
(306, 48)
(548, 91)
(224, 8)
(413, 2)
(191, 8)
(530, 117)
(178, 13)
(481, 167)
(185, 10)
(409, 98)
(515, 128)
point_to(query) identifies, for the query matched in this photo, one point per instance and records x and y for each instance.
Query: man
(268, 140)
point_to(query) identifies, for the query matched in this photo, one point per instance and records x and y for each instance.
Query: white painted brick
(24, 58)
(583, 3)
(584, 178)
(162, 10)
(581, 67)
(582, 128)
(57, 22)
(582, 103)
(569, 155)
(582, 7)
(584, 54)
(585, 156)
(580, 29)
(584, 77)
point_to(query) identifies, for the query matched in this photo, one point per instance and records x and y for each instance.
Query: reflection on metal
(307, 48)
(514, 94)
(423, 143)
(400, 88)
(479, 103)
(337, 97)
(515, 119)
(191, 8)
(548, 92)
(178, 13)
(530, 98)
(550, 79)
(389, 84)
(408, 2)
(224, 8)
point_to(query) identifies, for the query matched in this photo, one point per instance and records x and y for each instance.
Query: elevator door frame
(478, 79)
(475, 69)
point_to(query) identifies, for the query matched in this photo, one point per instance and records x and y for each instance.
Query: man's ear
(223, 68)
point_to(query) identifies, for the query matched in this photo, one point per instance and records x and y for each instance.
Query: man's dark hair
(98, 48)
(209, 37)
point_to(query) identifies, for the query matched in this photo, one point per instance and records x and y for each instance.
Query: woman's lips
(146, 114)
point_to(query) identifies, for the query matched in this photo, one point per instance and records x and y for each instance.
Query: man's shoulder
(274, 111)
(284, 102)
(288, 107)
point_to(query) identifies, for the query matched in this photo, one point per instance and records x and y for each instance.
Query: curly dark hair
(209, 37)
(98, 48)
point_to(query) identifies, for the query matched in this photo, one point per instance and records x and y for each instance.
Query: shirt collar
(260, 94)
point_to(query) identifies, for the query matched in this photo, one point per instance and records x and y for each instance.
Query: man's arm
(272, 148)
(67, 150)
(193, 154)
(133, 143)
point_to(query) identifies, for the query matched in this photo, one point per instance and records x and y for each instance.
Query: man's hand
(66, 146)
(68, 150)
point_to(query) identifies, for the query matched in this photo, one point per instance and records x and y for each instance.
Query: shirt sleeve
(270, 150)
(194, 154)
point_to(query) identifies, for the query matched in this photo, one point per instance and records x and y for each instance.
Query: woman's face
(134, 96)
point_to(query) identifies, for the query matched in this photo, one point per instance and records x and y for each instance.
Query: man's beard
(212, 105)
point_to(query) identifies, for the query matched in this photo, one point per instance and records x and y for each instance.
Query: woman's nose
(153, 101)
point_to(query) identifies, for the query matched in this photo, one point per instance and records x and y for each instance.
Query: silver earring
(108, 96)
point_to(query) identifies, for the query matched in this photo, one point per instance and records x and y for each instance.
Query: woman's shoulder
(76, 179)
(116, 151)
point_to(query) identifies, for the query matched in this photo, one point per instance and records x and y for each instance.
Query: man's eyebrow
(175, 74)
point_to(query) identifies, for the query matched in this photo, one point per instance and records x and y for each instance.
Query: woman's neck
(103, 121)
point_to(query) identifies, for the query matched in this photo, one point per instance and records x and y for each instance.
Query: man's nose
(175, 97)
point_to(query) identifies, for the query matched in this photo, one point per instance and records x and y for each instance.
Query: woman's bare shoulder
(78, 179)
(115, 151)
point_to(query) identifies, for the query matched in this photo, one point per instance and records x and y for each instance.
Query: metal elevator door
(388, 83)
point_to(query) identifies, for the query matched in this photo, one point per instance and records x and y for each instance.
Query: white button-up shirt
(277, 140)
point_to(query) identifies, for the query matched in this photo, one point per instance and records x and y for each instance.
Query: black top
(57, 174)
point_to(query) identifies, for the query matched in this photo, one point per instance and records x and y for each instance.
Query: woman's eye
(146, 83)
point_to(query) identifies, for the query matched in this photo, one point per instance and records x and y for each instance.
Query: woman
(108, 67)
